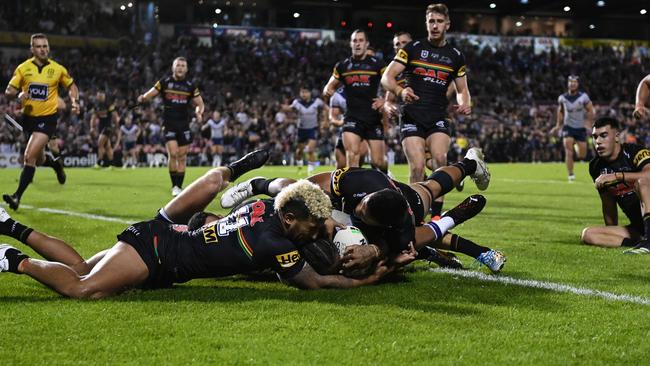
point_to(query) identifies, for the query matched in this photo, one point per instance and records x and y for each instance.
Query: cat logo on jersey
(210, 234)
(402, 56)
(641, 156)
(287, 260)
(336, 180)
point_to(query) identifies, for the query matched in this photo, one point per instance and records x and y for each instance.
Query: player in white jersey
(129, 133)
(309, 111)
(338, 107)
(575, 114)
(216, 124)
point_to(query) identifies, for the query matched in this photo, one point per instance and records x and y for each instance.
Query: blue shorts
(306, 134)
(578, 134)
(217, 141)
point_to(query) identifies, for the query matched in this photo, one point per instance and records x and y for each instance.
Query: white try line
(551, 286)
(78, 214)
(542, 181)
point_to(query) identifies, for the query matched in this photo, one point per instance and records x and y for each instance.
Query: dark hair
(37, 36)
(607, 121)
(402, 33)
(197, 220)
(297, 207)
(438, 8)
(388, 207)
(365, 34)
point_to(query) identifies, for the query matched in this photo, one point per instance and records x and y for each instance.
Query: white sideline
(78, 214)
(552, 286)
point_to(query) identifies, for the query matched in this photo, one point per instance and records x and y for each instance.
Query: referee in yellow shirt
(35, 83)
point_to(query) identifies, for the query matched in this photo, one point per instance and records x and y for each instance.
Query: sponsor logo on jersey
(37, 91)
(641, 156)
(210, 234)
(287, 260)
(435, 76)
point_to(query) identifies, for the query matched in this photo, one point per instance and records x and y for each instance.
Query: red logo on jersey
(440, 75)
(365, 79)
(258, 212)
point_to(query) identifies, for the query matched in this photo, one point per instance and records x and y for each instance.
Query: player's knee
(82, 290)
(642, 184)
(439, 159)
(417, 171)
(587, 235)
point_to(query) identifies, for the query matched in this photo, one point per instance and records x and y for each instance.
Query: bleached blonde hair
(316, 201)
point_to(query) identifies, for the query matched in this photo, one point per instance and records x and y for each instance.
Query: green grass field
(428, 318)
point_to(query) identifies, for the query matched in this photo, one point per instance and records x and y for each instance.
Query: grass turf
(532, 214)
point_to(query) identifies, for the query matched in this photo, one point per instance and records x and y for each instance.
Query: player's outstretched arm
(642, 97)
(309, 279)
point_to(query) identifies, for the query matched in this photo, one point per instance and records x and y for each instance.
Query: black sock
(26, 177)
(646, 225)
(261, 186)
(627, 242)
(172, 177)
(14, 257)
(48, 161)
(180, 177)
(468, 166)
(462, 245)
(436, 208)
(15, 229)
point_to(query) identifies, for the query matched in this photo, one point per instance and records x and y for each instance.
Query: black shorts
(409, 128)
(42, 124)
(414, 200)
(367, 131)
(141, 237)
(339, 144)
(180, 132)
(306, 134)
(578, 134)
(105, 128)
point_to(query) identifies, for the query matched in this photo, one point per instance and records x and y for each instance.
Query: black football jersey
(632, 158)
(177, 98)
(429, 70)
(361, 80)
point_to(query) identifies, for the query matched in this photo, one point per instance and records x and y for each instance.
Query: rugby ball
(351, 235)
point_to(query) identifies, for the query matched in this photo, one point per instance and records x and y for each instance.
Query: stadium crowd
(247, 79)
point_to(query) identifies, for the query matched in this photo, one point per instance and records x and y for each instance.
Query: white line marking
(542, 181)
(79, 214)
(552, 286)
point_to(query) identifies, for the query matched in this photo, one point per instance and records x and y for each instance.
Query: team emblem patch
(424, 54)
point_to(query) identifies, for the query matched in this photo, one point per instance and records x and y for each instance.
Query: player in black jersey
(156, 254)
(179, 94)
(389, 213)
(360, 75)
(430, 65)
(104, 122)
(622, 176)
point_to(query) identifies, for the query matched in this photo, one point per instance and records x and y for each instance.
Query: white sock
(440, 227)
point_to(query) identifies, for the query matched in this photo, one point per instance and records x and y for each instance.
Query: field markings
(79, 214)
(552, 286)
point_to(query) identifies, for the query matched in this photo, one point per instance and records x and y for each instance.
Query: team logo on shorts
(409, 127)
